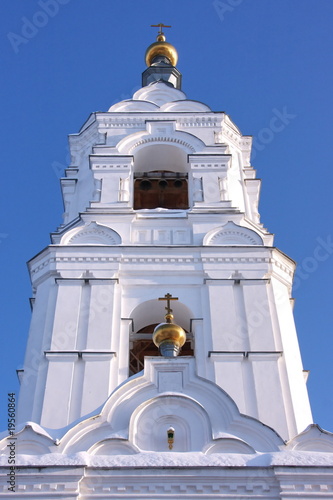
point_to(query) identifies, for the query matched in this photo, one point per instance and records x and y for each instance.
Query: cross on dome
(168, 297)
(162, 53)
(160, 26)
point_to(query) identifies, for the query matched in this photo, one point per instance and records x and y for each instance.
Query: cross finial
(160, 26)
(168, 297)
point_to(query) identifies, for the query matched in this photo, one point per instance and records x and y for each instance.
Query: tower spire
(161, 58)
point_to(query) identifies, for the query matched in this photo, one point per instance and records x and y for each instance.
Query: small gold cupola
(161, 58)
(168, 336)
(161, 49)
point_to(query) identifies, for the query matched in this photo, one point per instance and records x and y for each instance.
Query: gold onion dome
(169, 337)
(161, 48)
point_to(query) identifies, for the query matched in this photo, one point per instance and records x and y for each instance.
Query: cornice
(57, 257)
(138, 119)
(162, 138)
(55, 253)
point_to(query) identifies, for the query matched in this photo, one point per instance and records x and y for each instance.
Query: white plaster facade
(239, 405)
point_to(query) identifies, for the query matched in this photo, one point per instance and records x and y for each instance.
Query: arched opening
(160, 189)
(141, 345)
(145, 317)
(160, 177)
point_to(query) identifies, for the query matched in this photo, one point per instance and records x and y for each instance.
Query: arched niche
(313, 438)
(31, 439)
(91, 234)
(232, 234)
(145, 318)
(151, 420)
(228, 445)
(112, 446)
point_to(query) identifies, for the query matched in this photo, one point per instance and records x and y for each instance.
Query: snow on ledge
(175, 459)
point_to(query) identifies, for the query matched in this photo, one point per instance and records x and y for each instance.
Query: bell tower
(162, 358)
(161, 199)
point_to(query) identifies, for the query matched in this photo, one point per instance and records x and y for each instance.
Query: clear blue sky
(250, 58)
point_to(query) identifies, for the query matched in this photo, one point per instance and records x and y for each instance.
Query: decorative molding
(232, 234)
(238, 280)
(110, 167)
(243, 488)
(160, 260)
(34, 483)
(173, 140)
(85, 355)
(202, 122)
(91, 234)
(86, 280)
(311, 490)
(186, 120)
(247, 354)
(120, 122)
(151, 481)
(206, 166)
(67, 259)
(117, 259)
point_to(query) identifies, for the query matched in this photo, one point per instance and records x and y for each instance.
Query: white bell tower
(161, 198)
(162, 359)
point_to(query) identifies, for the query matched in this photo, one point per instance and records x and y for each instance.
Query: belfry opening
(148, 340)
(160, 177)
(160, 189)
(142, 345)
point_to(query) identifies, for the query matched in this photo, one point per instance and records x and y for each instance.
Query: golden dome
(169, 332)
(161, 48)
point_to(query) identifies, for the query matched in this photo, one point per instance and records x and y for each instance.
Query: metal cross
(161, 25)
(168, 297)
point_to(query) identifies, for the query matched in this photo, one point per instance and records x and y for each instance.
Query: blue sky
(254, 59)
